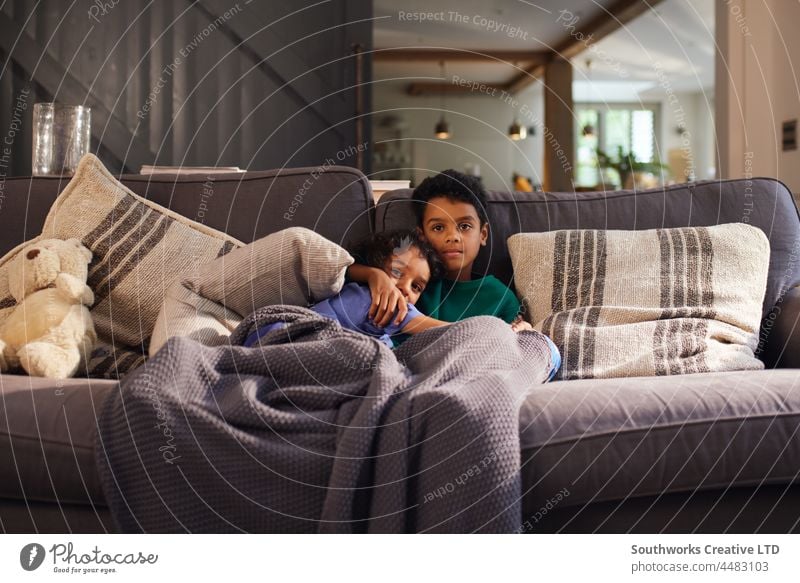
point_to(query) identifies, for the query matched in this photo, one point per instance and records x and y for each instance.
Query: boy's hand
(518, 325)
(386, 299)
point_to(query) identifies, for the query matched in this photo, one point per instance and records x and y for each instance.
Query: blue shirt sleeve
(350, 307)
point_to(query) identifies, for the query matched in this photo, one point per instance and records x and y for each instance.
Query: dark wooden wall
(241, 83)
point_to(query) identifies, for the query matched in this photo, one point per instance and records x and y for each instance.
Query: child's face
(453, 229)
(410, 271)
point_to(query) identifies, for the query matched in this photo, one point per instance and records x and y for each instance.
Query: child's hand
(518, 325)
(386, 299)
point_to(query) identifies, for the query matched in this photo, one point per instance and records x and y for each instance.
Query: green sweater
(452, 301)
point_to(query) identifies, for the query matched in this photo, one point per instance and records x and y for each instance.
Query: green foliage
(626, 162)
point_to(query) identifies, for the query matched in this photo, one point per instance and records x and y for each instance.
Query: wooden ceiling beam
(618, 15)
(474, 88)
(531, 75)
(416, 55)
(579, 37)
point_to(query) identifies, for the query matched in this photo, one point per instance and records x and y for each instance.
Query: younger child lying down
(409, 261)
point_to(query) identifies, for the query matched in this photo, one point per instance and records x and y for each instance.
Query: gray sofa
(692, 453)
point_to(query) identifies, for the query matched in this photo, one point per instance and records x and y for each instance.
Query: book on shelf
(146, 169)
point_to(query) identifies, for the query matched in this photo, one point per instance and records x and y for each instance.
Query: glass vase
(61, 136)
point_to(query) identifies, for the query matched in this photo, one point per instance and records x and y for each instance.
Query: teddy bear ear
(16, 283)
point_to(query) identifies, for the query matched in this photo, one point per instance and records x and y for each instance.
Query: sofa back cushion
(334, 201)
(762, 202)
(645, 303)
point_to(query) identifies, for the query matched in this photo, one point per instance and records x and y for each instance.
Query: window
(608, 127)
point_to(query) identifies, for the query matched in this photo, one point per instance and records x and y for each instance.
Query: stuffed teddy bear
(50, 331)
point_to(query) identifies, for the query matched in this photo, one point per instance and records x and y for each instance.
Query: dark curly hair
(375, 251)
(452, 185)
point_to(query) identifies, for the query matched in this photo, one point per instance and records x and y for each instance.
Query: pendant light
(516, 131)
(588, 129)
(442, 129)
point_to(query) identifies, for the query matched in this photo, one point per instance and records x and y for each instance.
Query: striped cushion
(642, 303)
(139, 248)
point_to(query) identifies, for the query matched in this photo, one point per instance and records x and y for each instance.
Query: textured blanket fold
(321, 429)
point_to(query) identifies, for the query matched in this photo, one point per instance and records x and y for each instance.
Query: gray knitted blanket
(321, 429)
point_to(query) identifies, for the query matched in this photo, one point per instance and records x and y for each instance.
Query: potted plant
(631, 171)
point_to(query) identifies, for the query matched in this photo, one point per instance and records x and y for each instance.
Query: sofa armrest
(782, 331)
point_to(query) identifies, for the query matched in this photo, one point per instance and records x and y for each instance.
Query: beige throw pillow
(642, 303)
(139, 249)
(295, 266)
